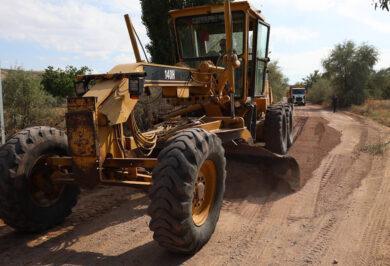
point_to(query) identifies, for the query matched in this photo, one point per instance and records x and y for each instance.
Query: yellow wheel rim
(204, 191)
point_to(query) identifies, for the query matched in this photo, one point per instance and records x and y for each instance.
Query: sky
(38, 33)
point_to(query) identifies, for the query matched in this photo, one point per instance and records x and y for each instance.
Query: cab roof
(216, 8)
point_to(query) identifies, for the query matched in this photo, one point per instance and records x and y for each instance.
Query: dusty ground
(341, 216)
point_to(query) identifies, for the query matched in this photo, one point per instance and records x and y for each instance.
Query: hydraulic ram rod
(133, 39)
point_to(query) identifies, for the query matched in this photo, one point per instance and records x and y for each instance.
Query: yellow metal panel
(138, 67)
(102, 89)
(216, 8)
(246, 135)
(119, 105)
(261, 104)
(210, 126)
(126, 68)
(107, 144)
(183, 92)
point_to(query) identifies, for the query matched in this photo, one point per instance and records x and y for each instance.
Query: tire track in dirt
(309, 193)
(332, 177)
(299, 124)
(348, 168)
(329, 170)
(373, 239)
(375, 242)
(355, 169)
(242, 242)
(264, 244)
(248, 197)
(91, 205)
(321, 242)
(281, 213)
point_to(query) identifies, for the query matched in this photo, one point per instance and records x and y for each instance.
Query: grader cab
(222, 105)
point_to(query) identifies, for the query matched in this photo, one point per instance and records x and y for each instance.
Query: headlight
(80, 88)
(136, 86)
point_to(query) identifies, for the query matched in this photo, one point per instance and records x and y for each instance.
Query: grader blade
(282, 167)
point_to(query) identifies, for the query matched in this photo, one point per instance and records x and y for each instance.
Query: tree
(312, 78)
(349, 68)
(25, 101)
(277, 81)
(383, 4)
(379, 84)
(60, 83)
(321, 91)
(155, 18)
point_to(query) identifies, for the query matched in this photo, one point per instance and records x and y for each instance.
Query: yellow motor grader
(221, 104)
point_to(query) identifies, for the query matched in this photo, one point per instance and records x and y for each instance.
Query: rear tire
(275, 129)
(29, 201)
(178, 223)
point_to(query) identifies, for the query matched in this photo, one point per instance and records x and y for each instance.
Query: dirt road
(341, 216)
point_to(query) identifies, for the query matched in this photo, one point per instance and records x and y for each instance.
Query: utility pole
(2, 127)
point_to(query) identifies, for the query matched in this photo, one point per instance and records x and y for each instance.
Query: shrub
(25, 102)
(321, 91)
(60, 83)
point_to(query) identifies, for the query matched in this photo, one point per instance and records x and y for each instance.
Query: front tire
(187, 193)
(276, 129)
(29, 200)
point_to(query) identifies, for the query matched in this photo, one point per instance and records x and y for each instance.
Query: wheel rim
(43, 190)
(204, 191)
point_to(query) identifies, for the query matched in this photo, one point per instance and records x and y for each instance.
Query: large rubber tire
(290, 125)
(173, 188)
(19, 157)
(275, 129)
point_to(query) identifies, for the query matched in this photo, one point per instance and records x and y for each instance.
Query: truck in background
(297, 95)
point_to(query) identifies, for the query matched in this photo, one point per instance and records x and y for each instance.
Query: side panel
(162, 75)
(82, 139)
(81, 129)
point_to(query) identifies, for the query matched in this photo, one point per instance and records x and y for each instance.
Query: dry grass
(378, 110)
(57, 117)
(53, 117)
(376, 149)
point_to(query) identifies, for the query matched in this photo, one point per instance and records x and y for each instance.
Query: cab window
(261, 57)
(203, 37)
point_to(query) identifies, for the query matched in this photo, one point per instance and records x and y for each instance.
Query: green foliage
(155, 18)
(59, 82)
(349, 68)
(25, 101)
(376, 149)
(321, 91)
(277, 81)
(379, 84)
(312, 78)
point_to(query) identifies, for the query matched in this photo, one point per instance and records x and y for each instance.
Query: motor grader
(222, 105)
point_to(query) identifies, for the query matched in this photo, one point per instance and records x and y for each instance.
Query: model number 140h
(170, 74)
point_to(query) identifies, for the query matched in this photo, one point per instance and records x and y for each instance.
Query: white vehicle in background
(297, 95)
